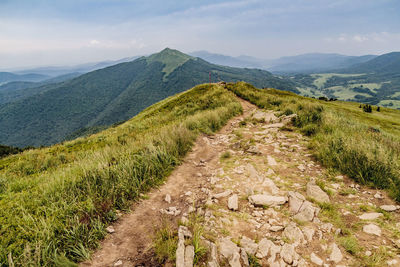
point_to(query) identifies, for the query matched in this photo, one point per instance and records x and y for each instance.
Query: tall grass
(364, 146)
(56, 202)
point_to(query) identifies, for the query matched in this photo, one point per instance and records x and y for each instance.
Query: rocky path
(252, 195)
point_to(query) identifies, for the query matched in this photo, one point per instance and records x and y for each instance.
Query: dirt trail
(133, 234)
(262, 199)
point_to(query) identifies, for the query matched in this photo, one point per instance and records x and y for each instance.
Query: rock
(167, 198)
(110, 229)
(118, 263)
(336, 255)
(270, 185)
(372, 229)
(180, 250)
(252, 172)
(370, 216)
(316, 260)
(253, 150)
(189, 256)
(244, 257)
(276, 228)
(223, 194)
(389, 207)
(315, 192)
(393, 262)
(267, 200)
(271, 161)
(229, 251)
(307, 212)
(233, 202)
(264, 247)
(378, 195)
(293, 233)
(295, 201)
(308, 233)
(213, 256)
(327, 227)
(248, 245)
(288, 253)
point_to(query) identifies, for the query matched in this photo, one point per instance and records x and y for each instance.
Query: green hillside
(55, 202)
(113, 94)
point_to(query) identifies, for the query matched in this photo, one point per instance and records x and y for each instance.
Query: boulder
(229, 251)
(271, 161)
(389, 207)
(288, 254)
(249, 245)
(315, 192)
(267, 200)
(264, 247)
(372, 229)
(370, 216)
(222, 194)
(233, 202)
(316, 260)
(336, 255)
(293, 233)
(295, 201)
(189, 256)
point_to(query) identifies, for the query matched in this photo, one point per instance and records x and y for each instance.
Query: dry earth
(259, 197)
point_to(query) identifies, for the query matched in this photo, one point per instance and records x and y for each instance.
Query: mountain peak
(171, 59)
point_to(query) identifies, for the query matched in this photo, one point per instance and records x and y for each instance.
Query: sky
(68, 32)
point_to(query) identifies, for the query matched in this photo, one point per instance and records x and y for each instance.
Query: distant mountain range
(6, 77)
(50, 113)
(306, 63)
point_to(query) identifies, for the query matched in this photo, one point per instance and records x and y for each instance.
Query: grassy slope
(365, 146)
(55, 202)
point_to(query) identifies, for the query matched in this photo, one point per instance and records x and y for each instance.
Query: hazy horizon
(59, 33)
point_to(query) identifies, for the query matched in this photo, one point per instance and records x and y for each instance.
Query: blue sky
(60, 32)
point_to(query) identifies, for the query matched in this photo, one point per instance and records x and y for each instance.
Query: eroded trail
(260, 198)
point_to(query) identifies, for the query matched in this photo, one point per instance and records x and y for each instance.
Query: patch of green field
(390, 103)
(345, 93)
(372, 86)
(307, 91)
(397, 94)
(321, 78)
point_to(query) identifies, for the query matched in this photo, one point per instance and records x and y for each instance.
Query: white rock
(264, 247)
(307, 212)
(229, 251)
(389, 207)
(315, 192)
(180, 250)
(271, 161)
(276, 228)
(336, 255)
(370, 216)
(118, 263)
(233, 202)
(267, 200)
(378, 195)
(244, 257)
(295, 201)
(270, 186)
(368, 253)
(249, 245)
(372, 229)
(189, 256)
(316, 260)
(293, 233)
(288, 253)
(223, 194)
(393, 262)
(110, 229)
(308, 233)
(167, 198)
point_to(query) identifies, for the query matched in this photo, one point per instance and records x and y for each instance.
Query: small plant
(350, 244)
(253, 260)
(165, 243)
(226, 155)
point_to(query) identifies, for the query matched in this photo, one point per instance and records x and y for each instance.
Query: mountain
(13, 91)
(315, 62)
(384, 64)
(113, 94)
(6, 77)
(240, 61)
(82, 68)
